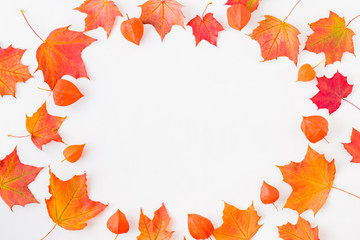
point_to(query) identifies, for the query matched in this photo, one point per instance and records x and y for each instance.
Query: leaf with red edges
(331, 92)
(100, 13)
(15, 178)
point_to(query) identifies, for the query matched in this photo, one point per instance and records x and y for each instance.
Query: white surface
(169, 122)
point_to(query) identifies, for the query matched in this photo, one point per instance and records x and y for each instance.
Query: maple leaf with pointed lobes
(12, 70)
(69, 205)
(205, 28)
(43, 127)
(332, 37)
(302, 230)
(238, 224)
(155, 229)
(252, 5)
(15, 178)
(162, 14)
(60, 55)
(354, 146)
(311, 181)
(277, 38)
(331, 92)
(100, 13)
(199, 226)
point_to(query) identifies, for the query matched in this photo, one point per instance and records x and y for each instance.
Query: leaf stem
(116, 236)
(292, 10)
(49, 232)
(22, 12)
(127, 15)
(319, 64)
(275, 207)
(326, 140)
(44, 89)
(19, 136)
(346, 192)
(205, 9)
(353, 19)
(351, 103)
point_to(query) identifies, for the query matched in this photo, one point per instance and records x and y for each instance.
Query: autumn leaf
(238, 224)
(69, 205)
(331, 92)
(353, 148)
(162, 14)
(65, 93)
(118, 223)
(60, 55)
(132, 30)
(315, 128)
(100, 13)
(311, 181)
(205, 28)
(43, 127)
(252, 5)
(306, 73)
(199, 226)
(277, 38)
(268, 194)
(302, 230)
(155, 229)
(238, 16)
(12, 70)
(73, 153)
(15, 178)
(332, 37)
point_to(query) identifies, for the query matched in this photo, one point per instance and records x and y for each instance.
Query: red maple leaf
(354, 146)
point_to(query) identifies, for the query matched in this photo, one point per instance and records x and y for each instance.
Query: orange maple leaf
(12, 70)
(311, 181)
(15, 178)
(60, 55)
(353, 148)
(100, 13)
(155, 229)
(69, 205)
(205, 28)
(277, 38)
(252, 5)
(43, 127)
(238, 224)
(302, 230)
(162, 14)
(332, 37)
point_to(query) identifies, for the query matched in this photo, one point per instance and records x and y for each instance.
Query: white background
(171, 122)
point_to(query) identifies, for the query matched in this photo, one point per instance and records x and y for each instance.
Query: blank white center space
(174, 123)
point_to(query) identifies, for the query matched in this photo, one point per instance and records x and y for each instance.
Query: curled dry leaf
(354, 146)
(60, 55)
(277, 38)
(238, 16)
(15, 178)
(302, 230)
(155, 229)
(238, 224)
(44, 127)
(12, 70)
(199, 226)
(205, 28)
(162, 14)
(306, 73)
(332, 37)
(65, 93)
(315, 128)
(118, 223)
(331, 92)
(132, 30)
(252, 5)
(100, 13)
(311, 181)
(268, 194)
(69, 205)
(73, 153)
